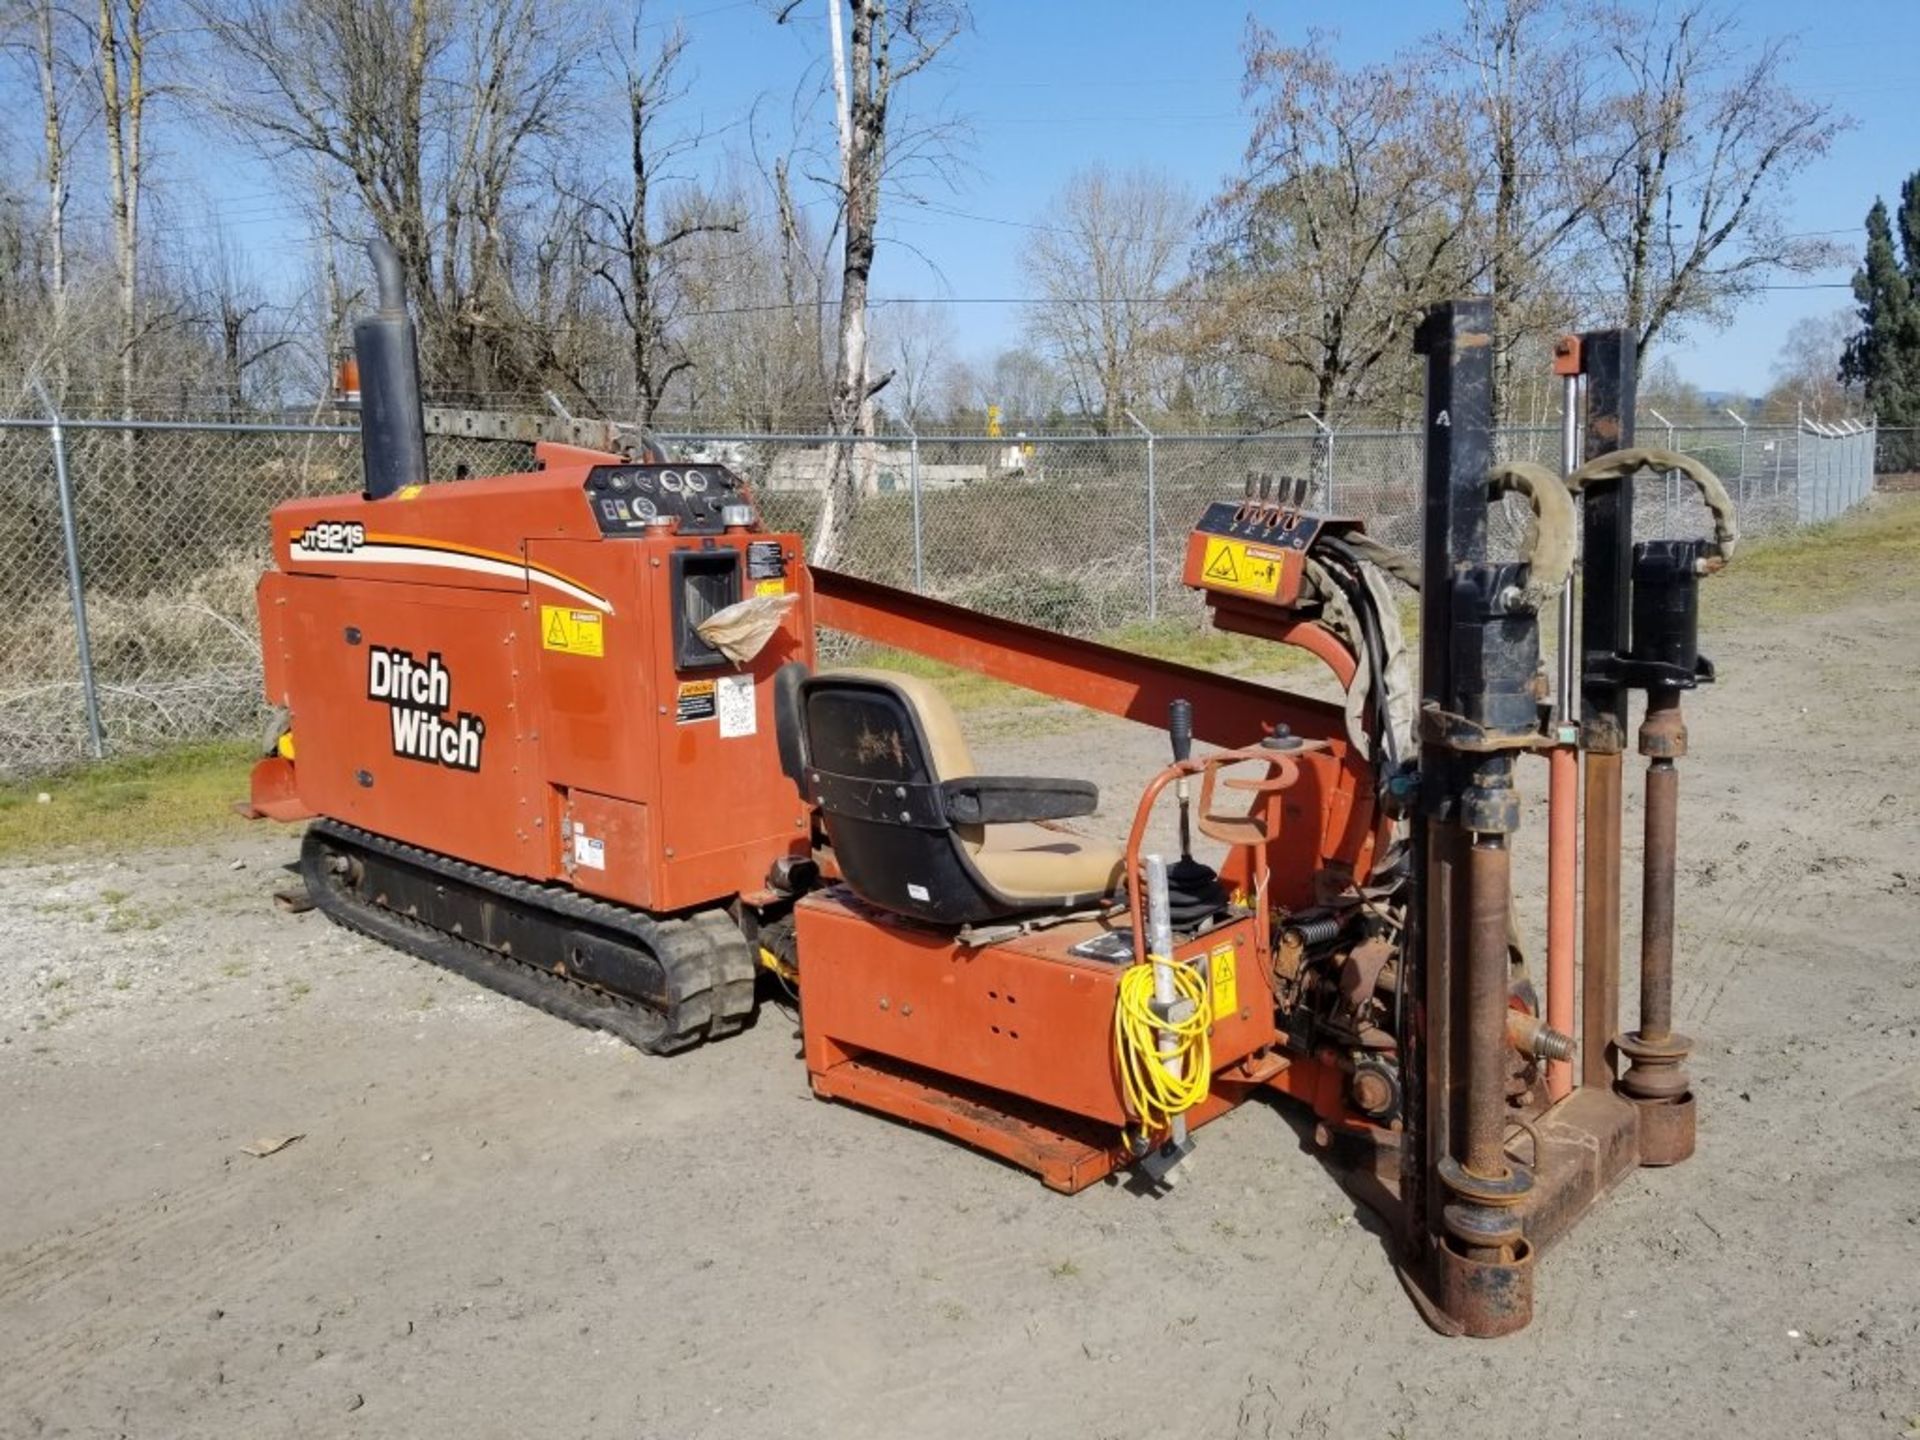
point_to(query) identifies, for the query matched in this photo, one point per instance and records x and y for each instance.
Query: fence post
(1817, 495)
(913, 483)
(1153, 526)
(1742, 486)
(76, 587)
(1825, 490)
(1829, 473)
(1799, 473)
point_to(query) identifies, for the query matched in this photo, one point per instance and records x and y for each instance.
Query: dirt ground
(495, 1225)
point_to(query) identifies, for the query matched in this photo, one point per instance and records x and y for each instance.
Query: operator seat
(916, 831)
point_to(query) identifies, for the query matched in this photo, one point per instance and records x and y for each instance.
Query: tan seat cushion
(1027, 862)
(1022, 861)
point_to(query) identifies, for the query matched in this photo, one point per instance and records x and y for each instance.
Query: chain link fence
(129, 550)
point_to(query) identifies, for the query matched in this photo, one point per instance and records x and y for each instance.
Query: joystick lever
(1180, 732)
(1194, 889)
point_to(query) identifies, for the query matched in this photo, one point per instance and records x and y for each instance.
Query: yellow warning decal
(1224, 975)
(1236, 565)
(770, 587)
(407, 492)
(575, 632)
(696, 700)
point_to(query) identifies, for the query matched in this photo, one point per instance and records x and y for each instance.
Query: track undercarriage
(659, 983)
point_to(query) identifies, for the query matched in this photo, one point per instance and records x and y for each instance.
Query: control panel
(1251, 550)
(1256, 547)
(625, 498)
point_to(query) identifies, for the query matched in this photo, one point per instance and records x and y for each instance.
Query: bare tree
(123, 34)
(1354, 210)
(752, 312)
(914, 342)
(637, 250)
(1547, 147)
(49, 66)
(434, 113)
(885, 49)
(1026, 386)
(1107, 253)
(1694, 226)
(1806, 372)
(1665, 389)
(231, 298)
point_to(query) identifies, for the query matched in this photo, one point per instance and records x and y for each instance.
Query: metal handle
(1180, 729)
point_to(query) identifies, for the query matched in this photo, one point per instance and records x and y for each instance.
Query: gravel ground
(495, 1225)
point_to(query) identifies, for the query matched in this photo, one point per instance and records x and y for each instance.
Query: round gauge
(645, 508)
(620, 484)
(696, 482)
(671, 482)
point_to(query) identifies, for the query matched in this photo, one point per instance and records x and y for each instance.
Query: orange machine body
(499, 671)
(1007, 1045)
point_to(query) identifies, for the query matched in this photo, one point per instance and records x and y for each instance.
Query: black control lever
(1194, 891)
(1180, 732)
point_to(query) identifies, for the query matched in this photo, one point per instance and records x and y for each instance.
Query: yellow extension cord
(1153, 1094)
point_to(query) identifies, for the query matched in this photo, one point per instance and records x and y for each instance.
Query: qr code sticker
(736, 706)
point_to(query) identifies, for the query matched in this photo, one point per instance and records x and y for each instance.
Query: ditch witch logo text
(420, 695)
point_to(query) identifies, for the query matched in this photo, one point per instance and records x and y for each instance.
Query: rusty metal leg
(1489, 880)
(1437, 1082)
(1656, 1079)
(1485, 1269)
(1563, 878)
(1600, 921)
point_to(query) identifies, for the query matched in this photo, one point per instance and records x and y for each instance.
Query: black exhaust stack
(393, 427)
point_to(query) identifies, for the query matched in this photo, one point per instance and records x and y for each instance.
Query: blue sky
(1048, 88)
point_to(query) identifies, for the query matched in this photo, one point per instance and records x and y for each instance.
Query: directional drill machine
(565, 733)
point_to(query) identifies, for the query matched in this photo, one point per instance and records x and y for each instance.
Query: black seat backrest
(872, 770)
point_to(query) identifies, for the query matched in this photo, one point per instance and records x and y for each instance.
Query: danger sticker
(589, 851)
(1236, 565)
(770, 587)
(573, 632)
(1223, 973)
(735, 696)
(697, 700)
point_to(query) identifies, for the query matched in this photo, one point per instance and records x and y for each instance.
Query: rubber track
(735, 971)
(707, 962)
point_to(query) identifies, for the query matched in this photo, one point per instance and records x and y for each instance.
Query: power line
(881, 303)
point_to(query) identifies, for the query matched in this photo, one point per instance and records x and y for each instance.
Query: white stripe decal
(379, 552)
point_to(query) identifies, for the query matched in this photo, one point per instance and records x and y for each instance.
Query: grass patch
(1873, 551)
(1180, 642)
(178, 795)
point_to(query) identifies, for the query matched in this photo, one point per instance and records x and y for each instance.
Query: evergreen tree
(1883, 356)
